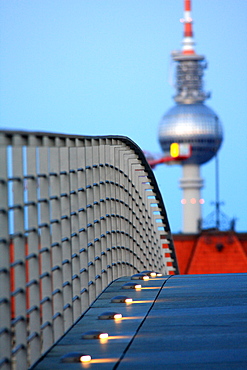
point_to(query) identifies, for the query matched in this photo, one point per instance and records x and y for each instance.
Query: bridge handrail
(76, 213)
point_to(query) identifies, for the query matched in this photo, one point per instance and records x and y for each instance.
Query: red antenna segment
(188, 41)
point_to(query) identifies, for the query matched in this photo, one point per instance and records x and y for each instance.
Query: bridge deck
(179, 322)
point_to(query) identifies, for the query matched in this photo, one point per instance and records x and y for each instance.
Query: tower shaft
(191, 184)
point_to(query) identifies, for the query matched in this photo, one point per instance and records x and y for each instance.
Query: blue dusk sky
(99, 67)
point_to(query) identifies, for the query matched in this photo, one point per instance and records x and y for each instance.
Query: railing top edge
(24, 133)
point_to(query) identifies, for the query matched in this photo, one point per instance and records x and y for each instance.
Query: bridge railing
(75, 214)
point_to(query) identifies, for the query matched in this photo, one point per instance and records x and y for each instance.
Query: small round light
(118, 316)
(75, 357)
(109, 315)
(131, 286)
(149, 273)
(103, 336)
(121, 299)
(138, 286)
(94, 334)
(85, 358)
(159, 274)
(140, 276)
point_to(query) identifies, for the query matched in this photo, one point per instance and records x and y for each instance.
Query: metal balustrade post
(135, 167)
(110, 238)
(120, 225)
(126, 208)
(19, 294)
(112, 211)
(66, 235)
(106, 272)
(75, 249)
(141, 176)
(119, 212)
(33, 282)
(56, 251)
(45, 248)
(90, 221)
(116, 265)
(132, 208)
(82, 212)
(5, 245)
(97, 215)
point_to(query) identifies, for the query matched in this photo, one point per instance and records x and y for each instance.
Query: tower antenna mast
(188, 40)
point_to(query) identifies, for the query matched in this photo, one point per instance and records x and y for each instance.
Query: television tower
(191, 122)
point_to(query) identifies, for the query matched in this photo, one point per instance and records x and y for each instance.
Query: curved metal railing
(76, 213)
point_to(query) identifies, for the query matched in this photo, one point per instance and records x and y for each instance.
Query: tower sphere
(194, 124)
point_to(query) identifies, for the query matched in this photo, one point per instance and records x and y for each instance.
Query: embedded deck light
(109, 315)
(85, 358)
(140, 276)
(94, 334)
(131, 286)
(150, 273)
(121, 299)
(117, 316)
(76, 357)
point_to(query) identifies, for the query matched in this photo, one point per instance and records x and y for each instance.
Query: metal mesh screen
(75, 214)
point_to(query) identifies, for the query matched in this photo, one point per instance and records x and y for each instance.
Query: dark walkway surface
(178, 322)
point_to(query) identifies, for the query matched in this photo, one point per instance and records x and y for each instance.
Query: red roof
(211, 252)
